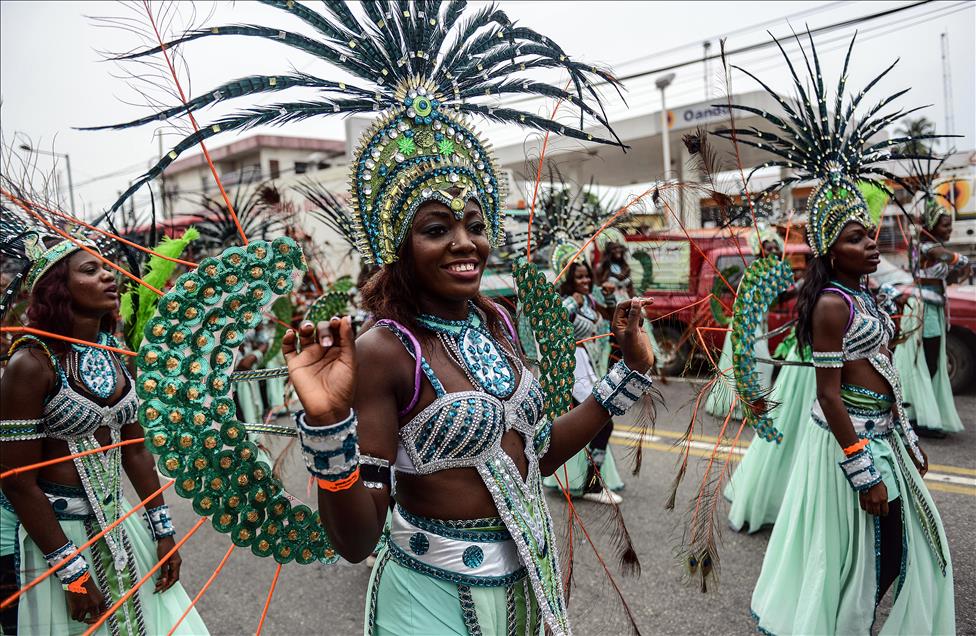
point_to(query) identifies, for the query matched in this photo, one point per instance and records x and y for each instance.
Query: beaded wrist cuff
(542, 438)
(828, 359)
(20, 430)
(621, 388)
(160, 523)
(331, 452)
(71, 571)
(860, 470)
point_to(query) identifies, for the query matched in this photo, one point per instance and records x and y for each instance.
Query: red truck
(684, 274)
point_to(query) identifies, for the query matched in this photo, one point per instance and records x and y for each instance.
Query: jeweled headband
(43, 260)
(420, 151)
(831, 206)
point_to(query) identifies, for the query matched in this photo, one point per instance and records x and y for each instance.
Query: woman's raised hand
(628, 329)
(322, 367)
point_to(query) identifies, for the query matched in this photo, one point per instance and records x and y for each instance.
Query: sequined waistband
(867, 423)
(479, 553)
(68, 502)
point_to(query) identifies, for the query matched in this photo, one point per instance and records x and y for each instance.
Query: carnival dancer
(764, 241)
(756, 488)
(579, 474)
(58, 399)
(921, 359)
(436, 394)
(856, 516)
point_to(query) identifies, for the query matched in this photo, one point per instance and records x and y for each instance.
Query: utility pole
(707, 69)
(950, 124)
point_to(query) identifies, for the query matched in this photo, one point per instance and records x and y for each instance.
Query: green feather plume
(139, 303)
(875, 197)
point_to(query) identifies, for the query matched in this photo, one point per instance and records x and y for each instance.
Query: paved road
(330, 600)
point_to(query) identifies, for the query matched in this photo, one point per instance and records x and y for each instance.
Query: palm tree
(915, 128)
(261, 210)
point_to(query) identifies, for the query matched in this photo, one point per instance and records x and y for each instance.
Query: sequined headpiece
(822, 139)
(43, 260)
(765, 234)
(417, 65)
(925, 184)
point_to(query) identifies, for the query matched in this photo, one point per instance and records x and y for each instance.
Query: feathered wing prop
(456, 53)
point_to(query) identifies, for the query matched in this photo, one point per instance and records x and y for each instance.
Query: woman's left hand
(169, 573)
(628, 329)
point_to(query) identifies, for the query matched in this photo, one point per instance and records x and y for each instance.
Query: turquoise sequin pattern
(97, 368)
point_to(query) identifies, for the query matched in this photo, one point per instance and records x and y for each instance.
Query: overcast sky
(52, 76)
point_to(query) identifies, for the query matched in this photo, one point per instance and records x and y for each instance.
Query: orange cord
(78, 586)
(13, 597)
(99, 230)
(856, 447)
(602, 335)
(538, 180)
(196, 128)
(267, 603)
(343, 484)
(85, 247)
(48, 334)
(153, 570)
(213, 577)
(51, 462)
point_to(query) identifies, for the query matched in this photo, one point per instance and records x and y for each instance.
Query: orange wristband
(853, 448)
(342, 484)
(78, 585)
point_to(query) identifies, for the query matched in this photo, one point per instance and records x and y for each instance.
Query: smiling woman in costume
(856, 515)
(435, 407)
(58, 399)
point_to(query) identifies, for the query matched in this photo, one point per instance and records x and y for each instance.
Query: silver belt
(866, 423)
(452, 552)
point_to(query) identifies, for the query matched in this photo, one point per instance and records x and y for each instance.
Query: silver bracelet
(160, 523)
(331, 452)
(72, 570)
(621, 388)
(860, 470)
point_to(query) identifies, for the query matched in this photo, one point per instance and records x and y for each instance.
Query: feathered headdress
(417, 64)
(820, 139)
(925, 182)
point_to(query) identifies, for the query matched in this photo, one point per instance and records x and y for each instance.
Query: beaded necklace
(472, 347)
(96, 369)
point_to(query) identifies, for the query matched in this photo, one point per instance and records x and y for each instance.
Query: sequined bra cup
(465, 429)
(68, 414)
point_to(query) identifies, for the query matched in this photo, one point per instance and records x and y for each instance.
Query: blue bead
(473, 556)
(419, 543)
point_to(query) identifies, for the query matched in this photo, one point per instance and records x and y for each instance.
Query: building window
(301, 167)
(274, 168)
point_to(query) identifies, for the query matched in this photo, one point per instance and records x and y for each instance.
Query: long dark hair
(566, 288)
(390, 294)
(605, 262)
(817, 277)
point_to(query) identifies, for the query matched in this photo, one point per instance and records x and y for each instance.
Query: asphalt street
(330, 599)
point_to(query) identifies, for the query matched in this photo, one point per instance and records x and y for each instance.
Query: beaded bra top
(460, 429)
(869, 330)
(69, 414)
(465, 429)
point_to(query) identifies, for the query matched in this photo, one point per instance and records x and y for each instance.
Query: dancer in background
(58, 399)
(589, 318)
(857, 518)
(921, 359)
